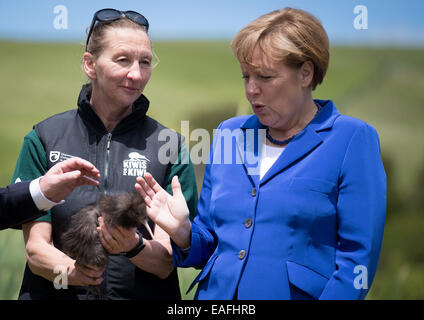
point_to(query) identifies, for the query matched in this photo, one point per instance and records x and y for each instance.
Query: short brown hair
(292, 36)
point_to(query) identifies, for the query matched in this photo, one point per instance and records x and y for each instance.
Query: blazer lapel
(299, 147)
(250, 148)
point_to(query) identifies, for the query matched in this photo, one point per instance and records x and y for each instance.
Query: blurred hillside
(201, 82)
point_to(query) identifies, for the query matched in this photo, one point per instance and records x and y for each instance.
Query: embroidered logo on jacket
(57, 155)
(135, 166)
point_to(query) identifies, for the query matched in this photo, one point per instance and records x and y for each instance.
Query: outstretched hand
(170, 212)
(65, 176)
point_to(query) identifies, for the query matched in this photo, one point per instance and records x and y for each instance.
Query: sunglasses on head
(105, 15)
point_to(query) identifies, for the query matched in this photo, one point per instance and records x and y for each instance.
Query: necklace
(283, 142)
(278, 142)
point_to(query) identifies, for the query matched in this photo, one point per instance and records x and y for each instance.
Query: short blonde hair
(291, 36)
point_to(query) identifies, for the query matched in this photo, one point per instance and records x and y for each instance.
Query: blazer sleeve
(31, 164)
(16, 205)
(361, 210)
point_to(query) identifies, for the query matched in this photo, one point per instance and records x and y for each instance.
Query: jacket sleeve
(16, 205)
(361, 210)
(31, 164)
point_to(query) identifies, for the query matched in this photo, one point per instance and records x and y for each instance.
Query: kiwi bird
(81, 240)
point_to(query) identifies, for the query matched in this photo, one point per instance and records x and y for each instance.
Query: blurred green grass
(195, 80)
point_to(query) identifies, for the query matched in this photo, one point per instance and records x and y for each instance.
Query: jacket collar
(325, 119)
(89, 115)
(306, 141)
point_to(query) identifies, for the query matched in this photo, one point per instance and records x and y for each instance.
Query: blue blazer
(311, 228)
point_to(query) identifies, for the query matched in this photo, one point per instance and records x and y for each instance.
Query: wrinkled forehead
(133, 39)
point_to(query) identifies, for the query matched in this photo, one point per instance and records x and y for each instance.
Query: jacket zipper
(109, 139)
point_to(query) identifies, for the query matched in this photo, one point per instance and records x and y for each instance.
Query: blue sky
(390, 22)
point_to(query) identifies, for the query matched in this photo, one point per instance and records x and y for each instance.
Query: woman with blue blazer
(294, 196)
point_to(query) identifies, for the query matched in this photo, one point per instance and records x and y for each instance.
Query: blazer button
(242, 254)
(253, 192)
(248, 223)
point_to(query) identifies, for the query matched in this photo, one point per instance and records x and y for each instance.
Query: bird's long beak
(145, 223)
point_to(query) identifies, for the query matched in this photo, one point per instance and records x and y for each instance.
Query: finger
(90, 281)
(89, 271)
(121, 235)
(124, 232)
(127, 238)
(143, 194)
(96, 281)
(87, 276)
(94, 174)
(115, 238)
(105, 234)
(118, 238)
(176, 186)
(72, 176)
(147, 188)
(77, 163)
(87, 167)
(152, 182)
(84, 180)
(106, 241)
